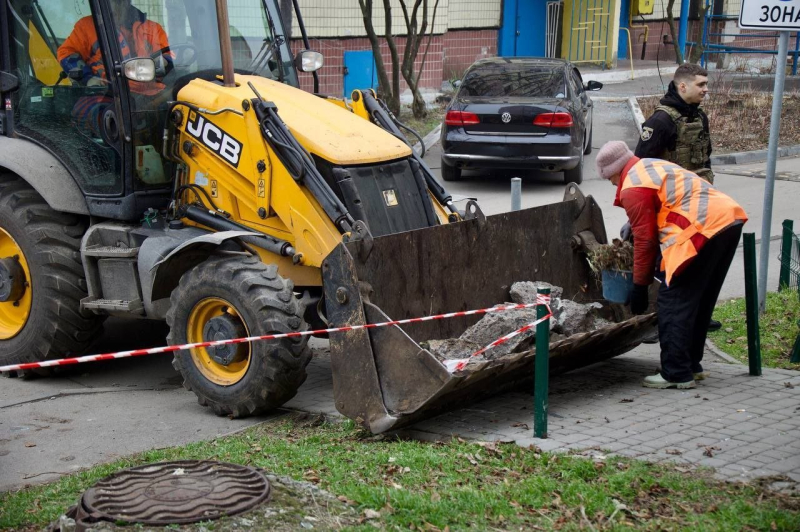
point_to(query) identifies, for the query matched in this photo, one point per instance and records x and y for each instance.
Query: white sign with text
(770, 14)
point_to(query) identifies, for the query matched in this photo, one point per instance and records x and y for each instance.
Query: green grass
(777, 327)
(429, 486)
(422, 126)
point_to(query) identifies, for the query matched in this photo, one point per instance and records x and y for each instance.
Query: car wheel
(588, 148)
(450, 173)
(574, 175)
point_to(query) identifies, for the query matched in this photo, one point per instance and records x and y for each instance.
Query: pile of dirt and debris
(569, 317)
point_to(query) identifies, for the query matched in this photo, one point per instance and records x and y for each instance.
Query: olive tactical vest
(691, 145)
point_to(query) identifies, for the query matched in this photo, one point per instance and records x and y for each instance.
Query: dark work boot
(714, 325)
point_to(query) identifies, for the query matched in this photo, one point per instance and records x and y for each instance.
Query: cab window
(60, 103)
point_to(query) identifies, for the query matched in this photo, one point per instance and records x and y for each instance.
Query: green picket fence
(790, 271)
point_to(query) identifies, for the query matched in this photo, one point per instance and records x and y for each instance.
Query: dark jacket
(661, 133)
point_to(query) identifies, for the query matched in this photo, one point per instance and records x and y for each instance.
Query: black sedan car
(519, 113)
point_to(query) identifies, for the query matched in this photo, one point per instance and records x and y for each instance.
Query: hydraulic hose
(214, 221)
(297, 161)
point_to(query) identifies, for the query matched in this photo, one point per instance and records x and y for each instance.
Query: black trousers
(686, 306)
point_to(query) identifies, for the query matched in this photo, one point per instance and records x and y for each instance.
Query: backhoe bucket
(384, 379)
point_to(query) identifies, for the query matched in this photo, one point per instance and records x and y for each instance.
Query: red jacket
(642, 206)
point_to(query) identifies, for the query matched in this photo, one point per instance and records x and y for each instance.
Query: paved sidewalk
(743, 426)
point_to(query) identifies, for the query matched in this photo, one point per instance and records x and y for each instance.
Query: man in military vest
(678, 132)
(687, 230)
(678, 129)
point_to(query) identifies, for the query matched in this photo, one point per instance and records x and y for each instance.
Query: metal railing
(716, 40)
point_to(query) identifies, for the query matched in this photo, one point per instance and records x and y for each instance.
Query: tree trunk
(394, 102)
(697, 53)
(413, 41)
(427, 47)
(392, 98)
(671, 22)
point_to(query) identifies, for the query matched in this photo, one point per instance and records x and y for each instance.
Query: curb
(754, 156)
(721, 354)
(625, 75)
(638, 116)
(430, 139)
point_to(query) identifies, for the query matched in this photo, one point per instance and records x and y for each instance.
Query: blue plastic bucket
(617, 285)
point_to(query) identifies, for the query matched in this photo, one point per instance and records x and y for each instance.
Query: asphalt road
(98, 412)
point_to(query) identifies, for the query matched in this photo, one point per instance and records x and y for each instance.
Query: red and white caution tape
(459, 364)
(541, 300)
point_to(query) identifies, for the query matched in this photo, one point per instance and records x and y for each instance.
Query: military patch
(647, 133)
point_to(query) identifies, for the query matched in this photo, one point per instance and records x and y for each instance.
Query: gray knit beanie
(612, 158)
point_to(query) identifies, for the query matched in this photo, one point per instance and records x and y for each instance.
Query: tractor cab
(84, 96)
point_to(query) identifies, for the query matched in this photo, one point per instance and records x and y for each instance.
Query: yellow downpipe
(630, 49)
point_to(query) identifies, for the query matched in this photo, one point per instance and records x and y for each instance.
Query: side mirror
(593, 86)
(139, 69)
(308, 61)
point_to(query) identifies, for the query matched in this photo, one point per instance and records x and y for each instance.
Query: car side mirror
(139, 69)
(593, 86)
(308, 61)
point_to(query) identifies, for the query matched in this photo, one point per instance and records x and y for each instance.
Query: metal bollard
(516, 193)
(751, 304)
(541, 375)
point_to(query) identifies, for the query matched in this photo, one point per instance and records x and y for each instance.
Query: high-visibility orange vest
(147, 37)
(680, 191)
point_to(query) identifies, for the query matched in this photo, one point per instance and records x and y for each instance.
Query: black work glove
(626, 233)
(639, 298)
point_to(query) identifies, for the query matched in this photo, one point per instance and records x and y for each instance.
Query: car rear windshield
(514, 80)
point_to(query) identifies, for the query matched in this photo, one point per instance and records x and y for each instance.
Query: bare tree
(390, 92)
(415, 34)
(416, 27)
(671, 23)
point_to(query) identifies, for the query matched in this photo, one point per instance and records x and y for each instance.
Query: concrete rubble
(569, 318)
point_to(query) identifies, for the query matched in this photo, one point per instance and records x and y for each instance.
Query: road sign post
(784, 16)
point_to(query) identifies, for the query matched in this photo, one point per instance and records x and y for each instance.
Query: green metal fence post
(542, 370)
(751, 301)
(786, 254)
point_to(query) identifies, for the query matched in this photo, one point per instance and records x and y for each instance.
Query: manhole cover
(175, 492)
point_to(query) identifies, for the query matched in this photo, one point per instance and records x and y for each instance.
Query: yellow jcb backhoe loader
(158, 161)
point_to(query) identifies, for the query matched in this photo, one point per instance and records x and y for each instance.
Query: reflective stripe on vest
(682, 192)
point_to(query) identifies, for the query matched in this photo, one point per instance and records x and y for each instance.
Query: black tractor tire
(574, 175)
(588, 149)
(265, 302)
(50, 242)
(450, 173)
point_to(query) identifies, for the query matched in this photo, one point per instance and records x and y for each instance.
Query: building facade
(462, 31)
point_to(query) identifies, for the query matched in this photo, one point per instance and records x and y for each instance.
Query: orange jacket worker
(697, 229)
(137, 37)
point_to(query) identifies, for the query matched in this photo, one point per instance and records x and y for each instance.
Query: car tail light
(553, 120)
(461, 118)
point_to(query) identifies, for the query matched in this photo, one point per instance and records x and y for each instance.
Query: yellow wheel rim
(14, 314)
(217, 373)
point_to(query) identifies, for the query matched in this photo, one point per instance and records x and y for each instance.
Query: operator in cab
(137, 37)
